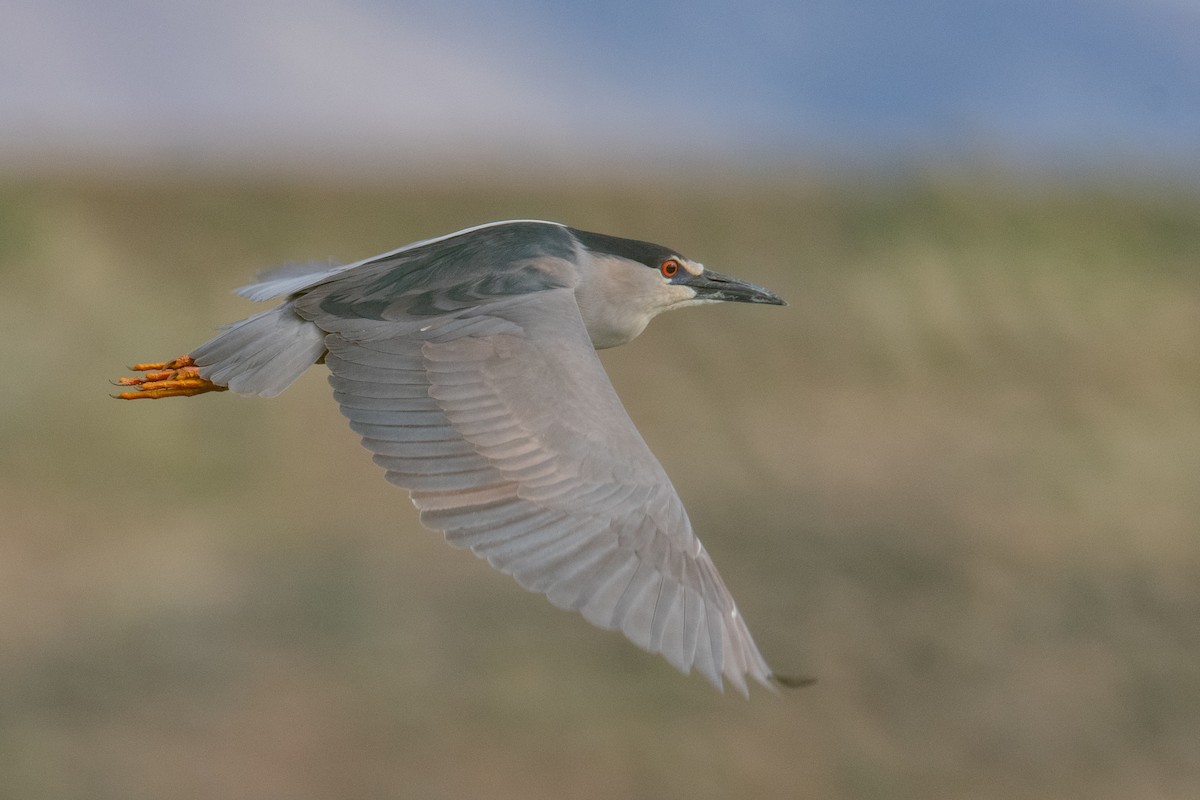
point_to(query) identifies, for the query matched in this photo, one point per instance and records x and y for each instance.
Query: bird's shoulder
(491, 250)
(475, 267)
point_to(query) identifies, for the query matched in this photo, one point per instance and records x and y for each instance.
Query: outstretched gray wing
(488, 402)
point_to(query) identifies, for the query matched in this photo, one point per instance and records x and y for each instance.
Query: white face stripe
(693, 267)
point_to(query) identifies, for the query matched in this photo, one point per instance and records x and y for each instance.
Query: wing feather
(499, 419)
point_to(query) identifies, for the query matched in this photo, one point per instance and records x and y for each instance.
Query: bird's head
(624, 283)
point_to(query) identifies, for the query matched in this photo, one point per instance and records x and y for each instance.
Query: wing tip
(790, 681)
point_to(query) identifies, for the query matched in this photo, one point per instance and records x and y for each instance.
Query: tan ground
(958, 480)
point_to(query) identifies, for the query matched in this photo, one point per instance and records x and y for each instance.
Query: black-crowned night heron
(468, 365)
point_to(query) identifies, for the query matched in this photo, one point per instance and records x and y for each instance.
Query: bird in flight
(468, 365)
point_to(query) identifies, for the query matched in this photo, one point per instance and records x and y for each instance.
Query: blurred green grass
(956, 480)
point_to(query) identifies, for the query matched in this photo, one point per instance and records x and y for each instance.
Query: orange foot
(178, 378)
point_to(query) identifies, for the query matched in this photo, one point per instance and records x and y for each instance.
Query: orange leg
(178, 378)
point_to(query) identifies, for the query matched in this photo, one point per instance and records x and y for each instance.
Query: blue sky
(367, 82)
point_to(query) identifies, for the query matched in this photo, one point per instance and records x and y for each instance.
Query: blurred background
(956, 480)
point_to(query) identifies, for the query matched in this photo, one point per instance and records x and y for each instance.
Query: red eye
(670, 268)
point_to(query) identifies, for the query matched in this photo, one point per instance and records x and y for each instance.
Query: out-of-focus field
(958, 480)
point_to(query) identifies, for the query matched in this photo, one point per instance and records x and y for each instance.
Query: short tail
(263, 354)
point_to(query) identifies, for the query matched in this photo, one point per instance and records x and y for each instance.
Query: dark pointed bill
(711, 285)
